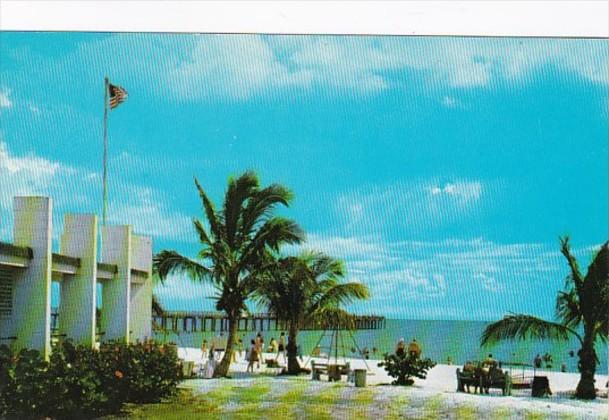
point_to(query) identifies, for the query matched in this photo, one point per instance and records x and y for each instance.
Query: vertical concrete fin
(116, 296)
(78, 297)
(32, 287)
(141, 288)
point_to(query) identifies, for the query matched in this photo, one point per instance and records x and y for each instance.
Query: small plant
(405, 367)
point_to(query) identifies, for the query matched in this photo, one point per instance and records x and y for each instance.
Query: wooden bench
(467, 379)
(334, 371)
(494, 378)
(317, 369)
(498, 379)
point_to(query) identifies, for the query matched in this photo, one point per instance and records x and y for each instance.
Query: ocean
(439, 340)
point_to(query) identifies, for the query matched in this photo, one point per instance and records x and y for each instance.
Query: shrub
(79, 382)
(405, 367)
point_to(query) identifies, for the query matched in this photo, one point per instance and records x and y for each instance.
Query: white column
(79, 292)
(116, 249)
(31, 319)
(141, 288)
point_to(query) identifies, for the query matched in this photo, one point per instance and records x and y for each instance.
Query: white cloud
(414, 278)
(370, 209)
(241, 67)
(75, 189)
(27, 175)
(5, 101)
(463, 190)
(227, 66)
(144, 209)
(449, 102)
(343, 246)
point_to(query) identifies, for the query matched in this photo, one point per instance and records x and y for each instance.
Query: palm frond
(525, 327)
(275, 232)
(171, 262)
(595, 293)
(568, 309)
(215, 224)
(238, 192)
(157, 308)
(202, 232)
(343, 294)
(260, 207)
(332, 317)
(576, 276)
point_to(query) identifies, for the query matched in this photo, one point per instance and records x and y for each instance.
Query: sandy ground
(441, 381)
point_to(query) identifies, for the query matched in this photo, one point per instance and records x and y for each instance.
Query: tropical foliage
(308, 290)
(404, 367)
(581, 312)
(80, 382)
(238, 242)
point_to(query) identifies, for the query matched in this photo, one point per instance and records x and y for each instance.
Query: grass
(298, 398)
(395, 407)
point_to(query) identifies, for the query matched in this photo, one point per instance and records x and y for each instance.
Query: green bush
(405, 367)
(79, 382)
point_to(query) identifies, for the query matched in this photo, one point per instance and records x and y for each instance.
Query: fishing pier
(217, 321)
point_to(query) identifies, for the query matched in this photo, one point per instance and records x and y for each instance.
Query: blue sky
(442, 170)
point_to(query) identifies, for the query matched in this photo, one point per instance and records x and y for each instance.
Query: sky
(442, 170)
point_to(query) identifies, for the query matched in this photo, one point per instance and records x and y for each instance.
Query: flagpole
(105, 179)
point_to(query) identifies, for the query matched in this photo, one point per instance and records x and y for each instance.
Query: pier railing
(217, 321)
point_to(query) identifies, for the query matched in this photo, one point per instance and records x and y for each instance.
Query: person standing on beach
(204, 349)
(400, 348)
(240, 348)
(258, 342)
(281, 349)
(537, 361)
(220, 345)
(253, 357)
(414, 350)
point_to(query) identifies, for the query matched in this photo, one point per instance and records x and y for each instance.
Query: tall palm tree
(580, 307)
(235, 243)
(308, 289)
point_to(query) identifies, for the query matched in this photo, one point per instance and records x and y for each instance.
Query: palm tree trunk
(587, 368)
(293, 365)
(222, 368)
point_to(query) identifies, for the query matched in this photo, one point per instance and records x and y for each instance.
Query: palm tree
(235, 243)
(581, 306)
(308, 290)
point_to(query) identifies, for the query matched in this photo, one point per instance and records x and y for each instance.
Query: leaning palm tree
(581, 312)
(235, 243)
(308, 290)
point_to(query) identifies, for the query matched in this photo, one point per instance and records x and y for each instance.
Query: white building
(28, 265)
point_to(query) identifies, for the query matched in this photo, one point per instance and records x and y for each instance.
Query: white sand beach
(440, 382)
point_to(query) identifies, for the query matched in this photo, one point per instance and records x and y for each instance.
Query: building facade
(122, 271)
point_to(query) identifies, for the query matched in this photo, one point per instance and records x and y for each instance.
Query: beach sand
(440, 386)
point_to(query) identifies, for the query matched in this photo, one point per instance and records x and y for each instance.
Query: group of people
(253, 356)
(413, 350)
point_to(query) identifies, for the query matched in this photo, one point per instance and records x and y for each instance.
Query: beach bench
(334, 371)
(317, 369)
(467, 379)
(496, 378)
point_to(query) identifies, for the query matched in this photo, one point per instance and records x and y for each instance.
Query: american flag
(117, 95)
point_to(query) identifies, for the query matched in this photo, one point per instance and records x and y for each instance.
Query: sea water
(457, 341)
